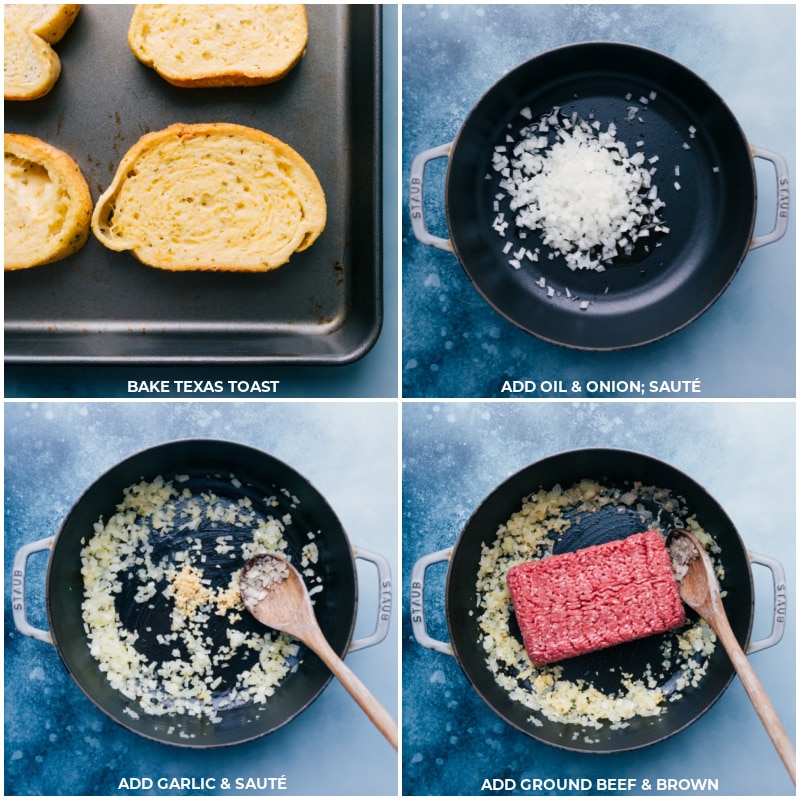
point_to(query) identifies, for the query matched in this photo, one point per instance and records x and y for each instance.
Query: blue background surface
(56, 741)
(455, 454)
(454, 344)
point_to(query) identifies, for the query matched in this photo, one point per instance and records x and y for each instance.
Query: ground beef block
(574, 603)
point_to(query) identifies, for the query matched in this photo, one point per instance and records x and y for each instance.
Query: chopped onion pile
(257, 580)
(579, 186)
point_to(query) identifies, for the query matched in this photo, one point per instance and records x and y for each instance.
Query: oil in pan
(180, 643)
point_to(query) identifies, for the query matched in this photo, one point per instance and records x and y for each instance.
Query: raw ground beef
(570, 604)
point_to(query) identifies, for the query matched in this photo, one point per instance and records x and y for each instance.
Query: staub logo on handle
(416, 601)
(386, 600)
(783, 197)
(17, 587)
(780, 602)
(415, 198)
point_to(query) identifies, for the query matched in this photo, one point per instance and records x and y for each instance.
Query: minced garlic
(194, 678)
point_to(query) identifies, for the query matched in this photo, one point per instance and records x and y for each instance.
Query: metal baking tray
(323, 307)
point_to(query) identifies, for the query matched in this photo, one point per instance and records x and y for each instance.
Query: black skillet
(602, 669)
(204, 465)
(641, 298)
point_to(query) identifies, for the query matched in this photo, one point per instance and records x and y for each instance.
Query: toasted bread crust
(215, 196)
(206, 46)
(48, 206)
(30, 65)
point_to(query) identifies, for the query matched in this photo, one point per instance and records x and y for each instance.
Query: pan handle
(421, 632)
(782, 212)
(417, 194)
(18, 589)
(418, 602)
(24, 627)
(385, 603)
(779, 602)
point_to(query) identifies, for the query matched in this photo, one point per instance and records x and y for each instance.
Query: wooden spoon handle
(758, 697)
(373, 709)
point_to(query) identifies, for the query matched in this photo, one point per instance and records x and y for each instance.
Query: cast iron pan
(209, 465)
(644, 297)
(611, 467)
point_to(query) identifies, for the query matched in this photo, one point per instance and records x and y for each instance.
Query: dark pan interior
(618, 468)
(208, 465)
(710, 218)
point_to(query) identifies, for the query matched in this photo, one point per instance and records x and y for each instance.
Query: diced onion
(580, 188)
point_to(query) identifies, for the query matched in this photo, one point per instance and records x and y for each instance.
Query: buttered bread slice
(30, 65)
(219, 45)
(212, 196)
(47, 205)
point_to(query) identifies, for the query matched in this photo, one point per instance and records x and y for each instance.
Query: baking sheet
(323, 307)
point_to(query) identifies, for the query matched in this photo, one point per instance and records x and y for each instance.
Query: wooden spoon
(699, 589)
(273, 591)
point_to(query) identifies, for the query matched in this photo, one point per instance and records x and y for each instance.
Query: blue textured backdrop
(56, 741)
(454, 344)
(455, 454)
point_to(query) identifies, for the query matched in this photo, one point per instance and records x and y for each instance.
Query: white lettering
(136, 783)
(187, 784)
(616, 784)
(687, 784)
(257, 387)
(261, 783)
(615, 387)
(198, 387)
(514, 387)
(675, 386)
(148, 386)
(555, 784)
